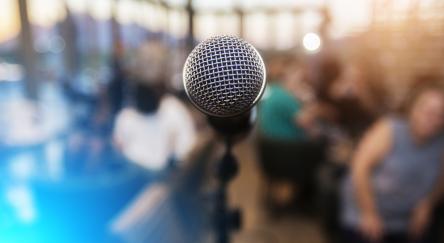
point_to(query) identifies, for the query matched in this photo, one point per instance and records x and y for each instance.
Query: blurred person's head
(330, 69)
(147, 97)
(425, 109)
(150, 64)
(360, 79)
(345, 85)
(360, 75)
(294, 79)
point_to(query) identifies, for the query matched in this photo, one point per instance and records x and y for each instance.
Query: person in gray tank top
(397, 174)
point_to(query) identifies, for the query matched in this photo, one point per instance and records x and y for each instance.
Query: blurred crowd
(100, 143)
(328, 140)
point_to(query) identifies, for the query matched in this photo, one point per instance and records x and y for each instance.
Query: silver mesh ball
(224, 76)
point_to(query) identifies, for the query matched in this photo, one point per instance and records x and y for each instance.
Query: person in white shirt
(158, 129)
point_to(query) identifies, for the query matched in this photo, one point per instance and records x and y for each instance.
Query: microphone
(224, 77)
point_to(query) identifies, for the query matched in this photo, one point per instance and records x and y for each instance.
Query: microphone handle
(233, 127)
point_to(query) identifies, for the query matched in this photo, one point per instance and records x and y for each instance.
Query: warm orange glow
(9, 19)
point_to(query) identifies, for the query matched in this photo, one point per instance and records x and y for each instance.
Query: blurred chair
(293, 162)
(328, 197)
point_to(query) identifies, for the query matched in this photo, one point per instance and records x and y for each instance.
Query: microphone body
(234, 128)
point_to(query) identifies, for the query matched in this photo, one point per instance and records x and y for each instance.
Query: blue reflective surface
(67, 186)
(43, 201)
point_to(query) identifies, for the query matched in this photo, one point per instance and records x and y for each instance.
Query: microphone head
(224, 76)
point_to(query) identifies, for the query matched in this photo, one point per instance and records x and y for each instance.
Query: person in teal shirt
(287, 150)
(277, 114)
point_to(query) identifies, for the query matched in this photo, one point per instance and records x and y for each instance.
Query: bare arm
(373, 147)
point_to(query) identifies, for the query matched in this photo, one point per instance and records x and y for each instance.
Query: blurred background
(98, 142)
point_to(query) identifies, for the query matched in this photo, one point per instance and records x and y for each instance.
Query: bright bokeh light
(101, 9)
(311, 42)
(42, 15)
(77, 6)
(9, 19)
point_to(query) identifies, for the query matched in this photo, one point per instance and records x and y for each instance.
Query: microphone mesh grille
(224, 76)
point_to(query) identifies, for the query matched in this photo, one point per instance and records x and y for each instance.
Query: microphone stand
(226, 219)
(232, 129)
